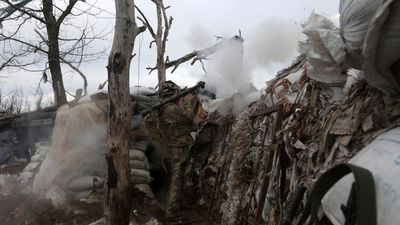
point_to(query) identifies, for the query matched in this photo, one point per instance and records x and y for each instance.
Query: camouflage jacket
(176, 124)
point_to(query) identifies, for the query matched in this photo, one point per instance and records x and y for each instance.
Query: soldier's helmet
(167, 89)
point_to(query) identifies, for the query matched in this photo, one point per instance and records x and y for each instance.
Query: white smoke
(232, 66)
(225, 68)
(76, 156)
(274, 41)
(198, 37)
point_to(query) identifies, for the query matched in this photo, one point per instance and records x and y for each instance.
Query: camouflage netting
(291, 144)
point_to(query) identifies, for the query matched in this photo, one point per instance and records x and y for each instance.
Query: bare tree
(49, 46)
(160, 38)
(14, 102)
(117, 204)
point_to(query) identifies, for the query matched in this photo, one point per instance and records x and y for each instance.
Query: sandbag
(382, 158)
(136, 155)
(140, 145)
(77, 150)
(324, 49)
(140, 173)
(141, 180)
(140, 176)
(85, 183)
(355, 17)
(137, 164)
(381, 49)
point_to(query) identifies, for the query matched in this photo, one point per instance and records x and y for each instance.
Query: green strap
(365, 194)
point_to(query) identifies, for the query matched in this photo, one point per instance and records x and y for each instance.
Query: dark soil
(26, 209)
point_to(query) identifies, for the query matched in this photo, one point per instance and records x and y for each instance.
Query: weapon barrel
(294, 204)
(200, 84)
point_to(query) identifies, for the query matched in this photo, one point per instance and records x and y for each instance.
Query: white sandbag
(139, 176)
(140, 145)
(140, 173)
(381, 49)
(353, 77)
(137, 164)
(382, 158)
(324, 49)
(141, 180)
(77, 151)
(136, 155)
(31, 166)
(85, 183)
(25, 177)
(355, 17)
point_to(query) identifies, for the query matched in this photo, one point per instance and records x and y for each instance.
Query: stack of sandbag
(75, 162)
(371, 32)
(139, 164)
(324, 50)
(355, 17)
(28, 173)
(144, 102)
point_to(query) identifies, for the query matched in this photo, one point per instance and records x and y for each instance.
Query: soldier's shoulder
(171, 106)
(172, 109)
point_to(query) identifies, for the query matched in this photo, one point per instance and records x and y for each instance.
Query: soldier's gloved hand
(189, 97)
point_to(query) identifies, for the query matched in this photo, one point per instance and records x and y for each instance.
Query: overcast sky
(270, 28)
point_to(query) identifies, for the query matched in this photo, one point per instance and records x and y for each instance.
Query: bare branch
(183, 59)
(3, 65)
(151, 69)
(167, 24)
(151, 43)
(145, 22)
(66, 12)
(85, 83)
(41, 36)
(101, 86)
(142, 29)
(18, 7)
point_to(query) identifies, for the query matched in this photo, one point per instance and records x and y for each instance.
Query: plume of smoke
(231, 67)
(274, 41)
(225, 68)
(76, 156)
(198, 37)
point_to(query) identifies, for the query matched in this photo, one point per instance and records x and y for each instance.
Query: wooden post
(116, 201)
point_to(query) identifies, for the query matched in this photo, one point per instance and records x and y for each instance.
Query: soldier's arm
(190, 105)
(178, 114)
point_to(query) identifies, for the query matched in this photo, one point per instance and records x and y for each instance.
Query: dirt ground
(144, 209)
(17, 207)
(25, 209)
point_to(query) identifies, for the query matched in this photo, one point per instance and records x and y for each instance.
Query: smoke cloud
(225, 68)
(275, 41)
(76, 156)
(198, 37)
(234, 64)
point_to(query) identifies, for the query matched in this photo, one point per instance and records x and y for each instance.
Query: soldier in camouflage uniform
(176, 123)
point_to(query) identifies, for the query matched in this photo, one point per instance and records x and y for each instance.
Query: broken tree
(117, 204)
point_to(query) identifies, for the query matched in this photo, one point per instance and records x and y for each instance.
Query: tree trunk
(55, 69)
(161, 67)
(54, 54)
(117, 204)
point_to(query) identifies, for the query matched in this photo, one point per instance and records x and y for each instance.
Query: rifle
(293, 205)
(200, 84)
